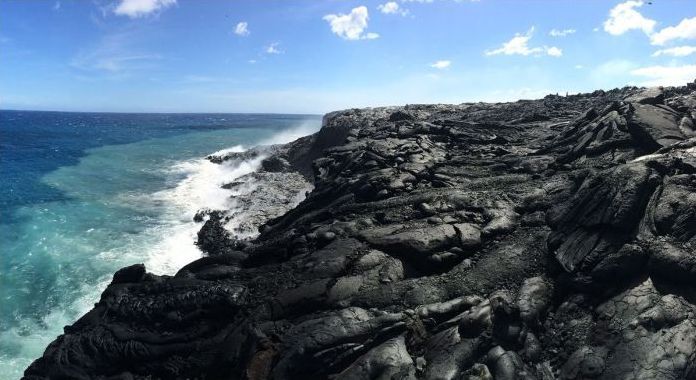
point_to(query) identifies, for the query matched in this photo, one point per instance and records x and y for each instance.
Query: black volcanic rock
(133, 273)
(545, 239)
(213, 237)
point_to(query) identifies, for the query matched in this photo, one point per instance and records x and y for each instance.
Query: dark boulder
(133, 273)
(655, 127)
(400, 116)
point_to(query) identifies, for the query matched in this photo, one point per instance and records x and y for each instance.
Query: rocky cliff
(544, 239)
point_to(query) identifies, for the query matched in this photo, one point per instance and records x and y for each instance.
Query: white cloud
(678, 51)
(351, 26)
(561, 33)
(273, 48)
(252, 61)
(666, 75)
(443, 64)
(579, 67)
(685, 29)
(242, 29)
(432, 1)
(56, 6)
(554, 51)
(518, 45)
(623, 17)
(141, 8)
(392, 7)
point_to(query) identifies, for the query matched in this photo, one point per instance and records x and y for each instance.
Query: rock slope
(545, 239)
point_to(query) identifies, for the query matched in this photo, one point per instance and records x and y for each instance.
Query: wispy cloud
(677, 51)
(242, 29)
(141, 8)
(615, 68)
(273, 48)
(666, 75)
(117, 63)
(115, 53)
(561, 33)
(686, 29)
(392, 7)
(198, 79)
(351, 26)
(624, 17)
(518, 45)
(443, 64)
(56, 6)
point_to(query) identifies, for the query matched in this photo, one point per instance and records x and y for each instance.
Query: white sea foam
(166, 245)
(199, 189)
(202, 188)
(30, 338)
(234, 149)
(202, 185)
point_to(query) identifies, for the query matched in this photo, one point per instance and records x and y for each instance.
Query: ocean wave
(200, 189)
(117, 213)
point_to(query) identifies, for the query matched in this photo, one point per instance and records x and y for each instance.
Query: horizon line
(166, 113)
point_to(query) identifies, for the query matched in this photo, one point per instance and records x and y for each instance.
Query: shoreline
(437, 239)
(137, 211)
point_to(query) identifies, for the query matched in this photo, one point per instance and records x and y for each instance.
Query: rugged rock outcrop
(545, 239)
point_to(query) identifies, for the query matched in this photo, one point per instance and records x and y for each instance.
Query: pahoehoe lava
(542, 239)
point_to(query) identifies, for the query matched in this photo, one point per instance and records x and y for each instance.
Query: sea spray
(201, 188)
(122, 204)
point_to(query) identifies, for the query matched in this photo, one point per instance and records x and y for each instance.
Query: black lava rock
(543, 239)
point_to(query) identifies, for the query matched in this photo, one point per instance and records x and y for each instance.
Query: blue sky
(316, 56)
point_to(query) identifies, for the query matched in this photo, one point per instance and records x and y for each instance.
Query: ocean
(84, 194)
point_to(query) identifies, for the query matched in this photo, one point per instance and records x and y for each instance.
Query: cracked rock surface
(544, 239)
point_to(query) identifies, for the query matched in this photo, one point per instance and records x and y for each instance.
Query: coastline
(124, 195)
(435, 239)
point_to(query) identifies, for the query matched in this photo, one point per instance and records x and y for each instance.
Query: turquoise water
(109, 206)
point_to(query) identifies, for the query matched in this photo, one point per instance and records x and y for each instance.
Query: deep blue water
(83, 194)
